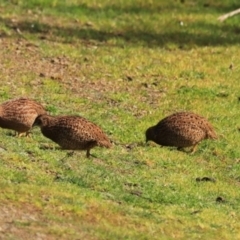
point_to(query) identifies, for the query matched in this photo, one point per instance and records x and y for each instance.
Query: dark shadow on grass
(115, 8)
(196, 34)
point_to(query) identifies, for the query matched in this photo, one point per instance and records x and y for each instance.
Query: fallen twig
(228, 15)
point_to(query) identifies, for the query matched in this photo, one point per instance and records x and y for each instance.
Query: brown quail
(72, 132)
(182, 129)
(20, 114)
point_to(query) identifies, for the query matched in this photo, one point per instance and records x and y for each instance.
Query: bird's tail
(211, 134)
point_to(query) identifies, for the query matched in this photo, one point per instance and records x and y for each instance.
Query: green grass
(123, 65)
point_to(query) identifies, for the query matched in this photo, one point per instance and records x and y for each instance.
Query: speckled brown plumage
(20, 114)
(182, 129)
(72, 132)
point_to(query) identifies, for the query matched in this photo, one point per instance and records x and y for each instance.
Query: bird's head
(149, 134)
(41, 120)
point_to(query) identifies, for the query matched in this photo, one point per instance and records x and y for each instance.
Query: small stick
(228, 15)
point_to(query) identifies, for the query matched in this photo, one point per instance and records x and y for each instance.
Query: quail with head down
(181, 129)
(20, 114)
(72, 132)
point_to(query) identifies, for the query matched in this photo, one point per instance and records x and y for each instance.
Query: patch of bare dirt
(22, 222)
(22, 65)
(26, 222)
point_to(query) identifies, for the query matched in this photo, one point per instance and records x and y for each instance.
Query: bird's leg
(28, 134)
(194, 149)
(182, 149)
(20, 134)
(69, 154)
(88, 153)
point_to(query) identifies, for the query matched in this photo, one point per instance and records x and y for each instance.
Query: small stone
(205, 179)
(129, 78)
(42, 75)
(220, 199)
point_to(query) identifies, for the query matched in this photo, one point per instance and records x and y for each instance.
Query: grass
(123, 65)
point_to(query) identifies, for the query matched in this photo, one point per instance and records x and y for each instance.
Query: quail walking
(72, 132)
(181, 129)
(20, 114)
